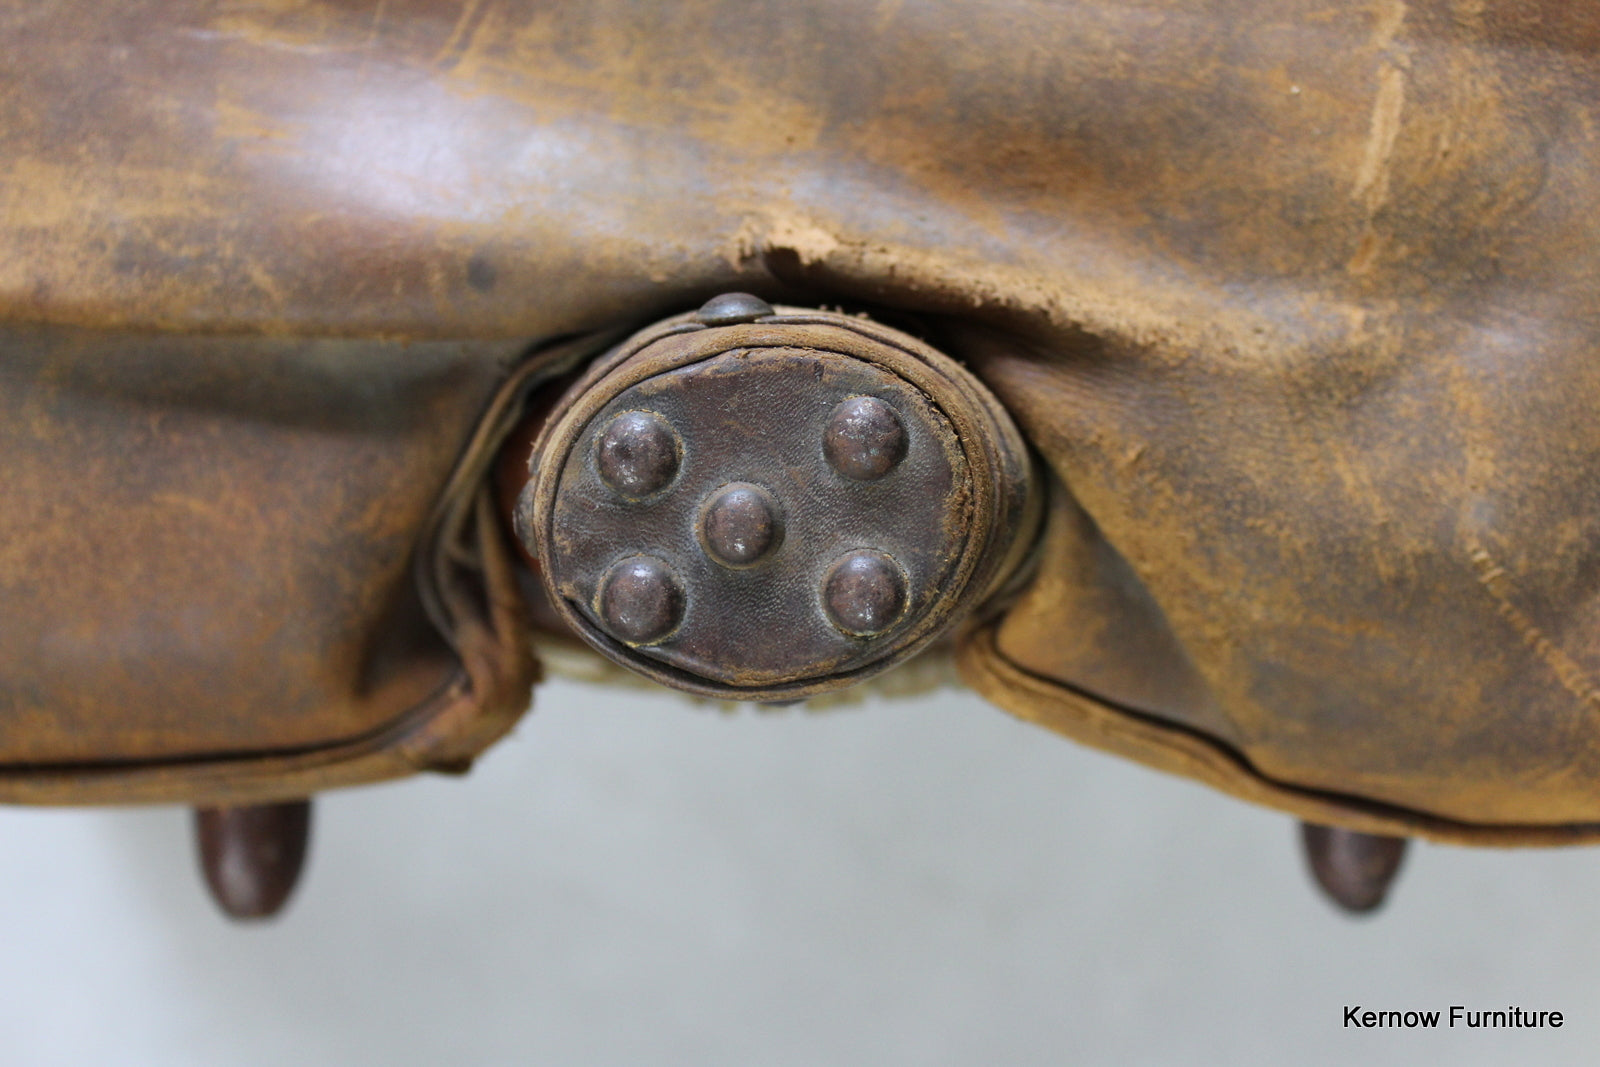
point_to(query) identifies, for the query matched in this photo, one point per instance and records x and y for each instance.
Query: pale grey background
(630, 880)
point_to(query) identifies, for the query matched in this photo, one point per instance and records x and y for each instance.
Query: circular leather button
(766, 509)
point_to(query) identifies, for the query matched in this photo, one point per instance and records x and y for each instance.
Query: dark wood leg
(252, 855)
(1354, 869)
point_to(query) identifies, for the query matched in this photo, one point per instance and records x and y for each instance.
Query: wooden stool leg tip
(252, 855)
(1354, 870)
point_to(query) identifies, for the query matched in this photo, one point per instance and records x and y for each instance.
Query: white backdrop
(629, 880)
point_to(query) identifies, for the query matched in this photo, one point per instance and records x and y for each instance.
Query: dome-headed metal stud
(252, 855)
(864, 438)
(641, 600)
(638, 454)
(1354, 869)
(740, 525)
(864, 593)
(730, 309)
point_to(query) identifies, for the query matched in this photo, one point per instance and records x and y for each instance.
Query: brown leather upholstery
(1298, 304)
(210, 557)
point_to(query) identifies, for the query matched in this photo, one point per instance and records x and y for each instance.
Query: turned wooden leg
(1354, 869)
(252, 855)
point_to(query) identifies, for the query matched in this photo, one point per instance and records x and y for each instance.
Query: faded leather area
(1389, 598)
(207, 555)
(1201, 175)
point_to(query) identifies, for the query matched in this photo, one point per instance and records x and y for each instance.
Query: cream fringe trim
(573, 661)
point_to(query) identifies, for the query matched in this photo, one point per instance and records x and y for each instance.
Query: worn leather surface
(1298, 303)
(207, 550)
(209, 557)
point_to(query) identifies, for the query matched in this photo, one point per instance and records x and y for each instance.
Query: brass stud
(740, 525)
(864, 593)
(641, 600)
(637, 454)
(730, 309)
(864, 439)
